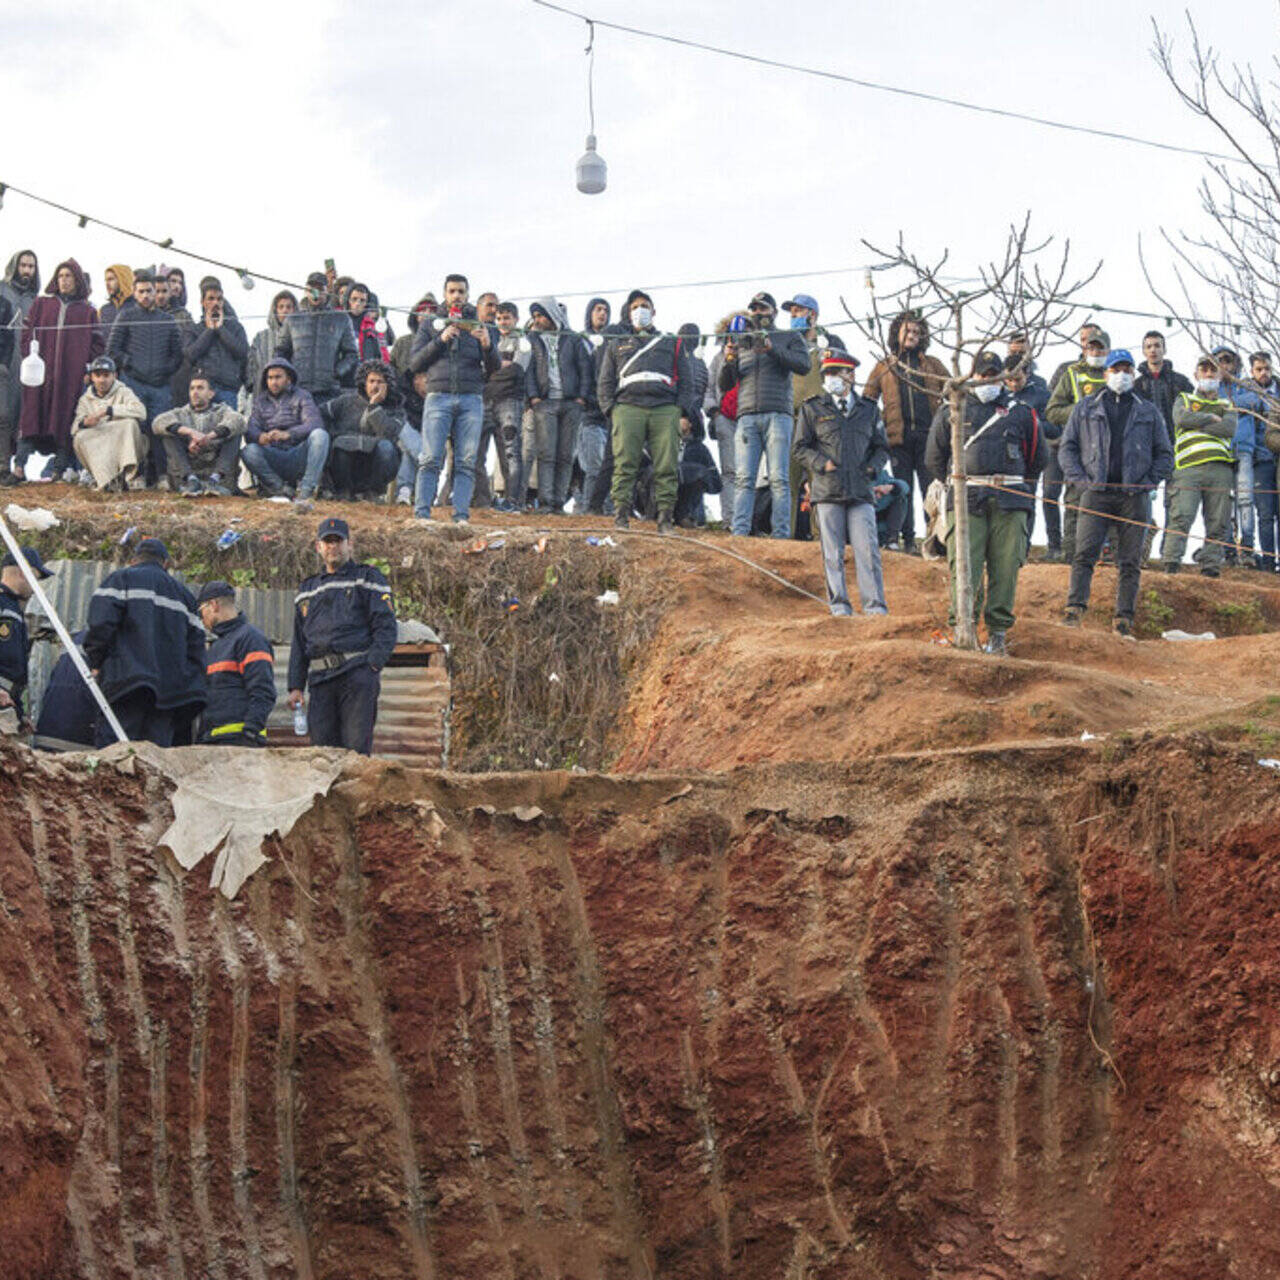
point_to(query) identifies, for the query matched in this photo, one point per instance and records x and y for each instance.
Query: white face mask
(1208, 386)
(833, 384)
(642, 317)
(1120, 382)
(988, 392)
(1095, 362)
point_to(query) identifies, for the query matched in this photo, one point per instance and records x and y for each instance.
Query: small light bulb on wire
(246, 280)
(83, 221)
(592, 172)
(3, 189)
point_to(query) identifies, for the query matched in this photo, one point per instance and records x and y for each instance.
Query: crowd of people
(621, 417)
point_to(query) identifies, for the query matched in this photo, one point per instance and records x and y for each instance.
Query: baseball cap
(215, 590)
(152, 547)
(102, 364)
(763, 299)
(1118, 356)
(33, 559)
(985, 363)
(333, 528)
(804, 300)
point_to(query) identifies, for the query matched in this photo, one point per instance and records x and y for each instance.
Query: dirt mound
(985, 1013)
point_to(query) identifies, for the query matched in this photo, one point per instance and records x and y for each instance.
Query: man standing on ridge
(344, 632)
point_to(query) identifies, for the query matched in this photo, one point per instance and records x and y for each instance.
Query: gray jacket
(321, 346)
(1085, 449)
(218, 353)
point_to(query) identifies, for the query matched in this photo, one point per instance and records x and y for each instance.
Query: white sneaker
(404, 496)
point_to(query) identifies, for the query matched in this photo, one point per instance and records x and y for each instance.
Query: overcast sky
(407, 140)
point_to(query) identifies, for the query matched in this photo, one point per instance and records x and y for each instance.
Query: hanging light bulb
(246, 280)
(84, 221)
(591, 170)
(380, 324)
(3, 188)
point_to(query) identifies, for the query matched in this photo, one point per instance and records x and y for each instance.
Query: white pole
(63, 634)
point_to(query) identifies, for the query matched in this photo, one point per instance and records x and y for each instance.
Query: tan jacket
(882, 384)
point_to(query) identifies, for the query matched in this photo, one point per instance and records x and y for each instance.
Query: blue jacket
(1036, 394)
(68, 712)
(240, 673)
(1085, 451)
(13, 646)
(144, 634)
(576, 370)
(294, 411)
(1249, 430)
(347, 612)
(1272, 395)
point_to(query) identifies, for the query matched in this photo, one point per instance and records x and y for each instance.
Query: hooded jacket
(354, 423)
(144, 634)
(506, 382)
(321, 344)
(902, 374)
(595, 349)
(111, 308)
(294, 411)
(146, 345)
(1161, 389)
(459, 367)
(22, 297)
(218, 353)
(69, 336)
(854, 441)
(263, 346)
(571, 353)
(403, 345)
(766, 362)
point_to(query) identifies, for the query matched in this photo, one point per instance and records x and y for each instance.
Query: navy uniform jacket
(68, 712)
(240, 674)
(13, 646)
(144, 634)
(348, 612)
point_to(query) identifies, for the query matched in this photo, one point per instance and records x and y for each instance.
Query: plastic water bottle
(31, 371)
(300, 720)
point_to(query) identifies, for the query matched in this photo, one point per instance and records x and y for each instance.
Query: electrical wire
(1001, 112)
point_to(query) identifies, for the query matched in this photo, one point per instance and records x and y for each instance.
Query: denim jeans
(768, 434)
(1267, 506)
(852, 524)
(555, 424)
(593, 450)
(1244, 501)
(301, 464)
(156, 400)
(447, 417)
(410, 450)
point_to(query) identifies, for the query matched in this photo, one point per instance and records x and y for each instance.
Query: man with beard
(66, 327)
(201, 441)
(909, 383)
(263, 346)
(18, 291)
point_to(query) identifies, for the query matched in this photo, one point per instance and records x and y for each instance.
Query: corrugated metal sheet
(413, 710)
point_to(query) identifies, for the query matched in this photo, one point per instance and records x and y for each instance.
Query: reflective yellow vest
(1191, 446)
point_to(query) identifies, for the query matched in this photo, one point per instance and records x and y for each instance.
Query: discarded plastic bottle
(300, 720)
(31, 371)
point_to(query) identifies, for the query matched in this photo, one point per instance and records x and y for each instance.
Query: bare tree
(1237, 259)
(1028, 289)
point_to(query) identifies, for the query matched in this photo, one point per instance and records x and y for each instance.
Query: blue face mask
(799, 321)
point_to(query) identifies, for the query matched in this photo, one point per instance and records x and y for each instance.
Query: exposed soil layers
(996, 1013)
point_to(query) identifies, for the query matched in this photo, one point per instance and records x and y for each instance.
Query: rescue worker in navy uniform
(15, 591)
(840, 441)
(1005, 445)
(145, 645)
(239, 671)
(344, 630)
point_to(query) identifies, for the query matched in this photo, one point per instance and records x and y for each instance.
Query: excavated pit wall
(1006, 1014)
